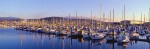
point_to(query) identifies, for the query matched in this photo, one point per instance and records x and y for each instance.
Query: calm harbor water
(17, 39)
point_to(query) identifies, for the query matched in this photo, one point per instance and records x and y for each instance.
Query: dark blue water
(15, 39)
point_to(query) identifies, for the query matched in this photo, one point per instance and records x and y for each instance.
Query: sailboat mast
(76, 19)
(124, 13)
(92, 19)
(113, 16)
(64, 20)
(100, 15)
(81, 21)
(103, 19)
(110, 18)
(85, 22)
(43, 22)
(144, 18)
(94, 24)
(141, 20)
(113, 28)
(141, 17)
(149, 14)
(60, 21)
(53, 21)
(69, 19)
(133, 18)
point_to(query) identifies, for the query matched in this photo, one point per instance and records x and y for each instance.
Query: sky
(28, 9)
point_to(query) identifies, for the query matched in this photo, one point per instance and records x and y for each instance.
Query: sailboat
(61, 30)
(87, 31)
(86, 34)
(53, 27)
(123, 38)
(96, 35)
(134, 35)
(111, 38)
(39, 30)
(148, 35)
(73, 30)
(140, 29)
(112, 35)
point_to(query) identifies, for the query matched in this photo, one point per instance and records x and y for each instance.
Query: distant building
(126, 22)
(131, 22)
(136, 22)
(111, 23)
(147, 23)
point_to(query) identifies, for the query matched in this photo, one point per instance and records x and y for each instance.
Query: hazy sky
(46, 8)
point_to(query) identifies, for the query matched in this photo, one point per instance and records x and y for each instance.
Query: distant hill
(63, 18)
(9, 19)
(51, 18)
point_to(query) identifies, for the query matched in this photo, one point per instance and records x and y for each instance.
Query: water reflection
(16, 39)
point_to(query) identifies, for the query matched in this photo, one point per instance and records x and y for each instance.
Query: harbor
(74, 24)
